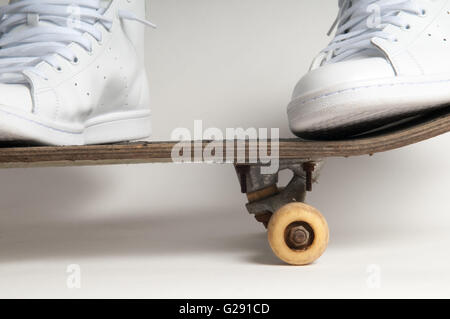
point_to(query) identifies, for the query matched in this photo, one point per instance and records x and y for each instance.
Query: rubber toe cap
(333, 76)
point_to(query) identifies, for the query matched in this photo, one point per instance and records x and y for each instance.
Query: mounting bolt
(309, 168)
(242, 171)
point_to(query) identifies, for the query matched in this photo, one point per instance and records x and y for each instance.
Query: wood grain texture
(161, 152)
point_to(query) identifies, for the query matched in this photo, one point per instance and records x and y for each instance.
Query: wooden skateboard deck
(420, 129)
(298, 233)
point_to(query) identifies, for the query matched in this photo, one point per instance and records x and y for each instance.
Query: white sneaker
(390, 59)
(72, 72)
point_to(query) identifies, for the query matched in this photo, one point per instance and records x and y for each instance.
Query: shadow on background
(135, 235)
(48, 220)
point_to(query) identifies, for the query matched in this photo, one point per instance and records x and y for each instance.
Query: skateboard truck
(297, 233)
(265, 197)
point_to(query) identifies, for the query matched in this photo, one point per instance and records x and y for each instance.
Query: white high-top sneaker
(72, 71)
(389, 60)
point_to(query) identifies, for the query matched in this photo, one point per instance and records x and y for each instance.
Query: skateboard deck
(297, 233)
(415, 131)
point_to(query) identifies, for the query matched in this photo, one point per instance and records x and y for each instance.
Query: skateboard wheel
(298, 234)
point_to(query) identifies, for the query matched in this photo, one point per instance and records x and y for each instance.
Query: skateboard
(297, 233)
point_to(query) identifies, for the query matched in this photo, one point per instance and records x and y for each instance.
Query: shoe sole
(109, 128)
(352, 110)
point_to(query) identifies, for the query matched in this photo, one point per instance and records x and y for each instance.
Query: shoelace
(24, 42)
(355, 28)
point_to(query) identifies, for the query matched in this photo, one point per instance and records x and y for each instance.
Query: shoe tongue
(363, 25)
(371, 51)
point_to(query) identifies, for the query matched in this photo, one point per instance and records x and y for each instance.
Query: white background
(182, 231)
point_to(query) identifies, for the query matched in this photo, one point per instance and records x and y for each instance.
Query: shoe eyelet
(59, 69)
(76, 60)
(407, 27)
(423, 13)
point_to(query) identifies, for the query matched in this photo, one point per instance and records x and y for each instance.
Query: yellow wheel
(298, 234)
